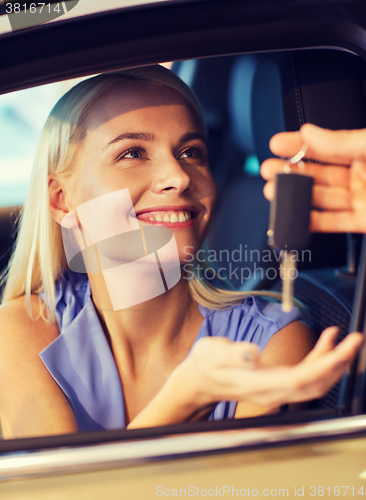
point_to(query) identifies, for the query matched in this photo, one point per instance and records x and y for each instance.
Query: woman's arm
(31, 403)
(218, 370)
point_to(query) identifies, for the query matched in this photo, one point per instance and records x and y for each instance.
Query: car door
(311, 454)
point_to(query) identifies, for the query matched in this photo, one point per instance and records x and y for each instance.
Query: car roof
(106, 41)
(74, 9)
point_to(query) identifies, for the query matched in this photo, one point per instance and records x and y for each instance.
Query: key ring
(297, 159)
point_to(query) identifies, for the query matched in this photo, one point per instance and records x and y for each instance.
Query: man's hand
(339, 186)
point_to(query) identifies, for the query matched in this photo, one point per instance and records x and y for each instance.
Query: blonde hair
(38, 259)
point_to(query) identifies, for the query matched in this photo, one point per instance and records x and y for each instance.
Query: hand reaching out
(218, 369)
(339, 186)
(222, 371)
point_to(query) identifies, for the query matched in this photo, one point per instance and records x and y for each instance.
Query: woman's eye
(133, 153)
(188, 154)
(192, 153)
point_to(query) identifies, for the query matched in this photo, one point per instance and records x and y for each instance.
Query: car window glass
(22, 116)
(232, 153)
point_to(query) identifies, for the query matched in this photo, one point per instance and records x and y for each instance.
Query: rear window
(22, 116)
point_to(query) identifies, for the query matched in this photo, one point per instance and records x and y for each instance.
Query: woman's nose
(172, 177)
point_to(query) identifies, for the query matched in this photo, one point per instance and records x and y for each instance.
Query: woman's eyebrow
(139, 136)
(192, 136)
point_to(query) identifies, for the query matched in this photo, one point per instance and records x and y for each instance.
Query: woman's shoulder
(20, 330)
(258, 308)
(255, 319)
(31, 403)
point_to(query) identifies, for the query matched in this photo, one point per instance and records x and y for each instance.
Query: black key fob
(289, 217)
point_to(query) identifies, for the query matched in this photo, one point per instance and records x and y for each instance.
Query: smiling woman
(100, 326)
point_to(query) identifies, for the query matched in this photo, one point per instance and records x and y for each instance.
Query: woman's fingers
(243, 355)
(347, 349)
(343, 352)
(314, 379)
(250, 354)
(221, 352)
(324, 344)
(233, 371)
(329, 366)
(309, 379)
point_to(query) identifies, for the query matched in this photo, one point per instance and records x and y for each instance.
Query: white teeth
(172, 218)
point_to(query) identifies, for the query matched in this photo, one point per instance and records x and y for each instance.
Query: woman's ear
(57, 199)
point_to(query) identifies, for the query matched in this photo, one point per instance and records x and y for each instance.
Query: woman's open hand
(339, 187)
(224, 370)
(220, 370)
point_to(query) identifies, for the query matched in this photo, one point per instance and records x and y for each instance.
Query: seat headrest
(240, 101)
(324, 87)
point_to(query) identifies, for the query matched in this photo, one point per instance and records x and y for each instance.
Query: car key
(289, 222)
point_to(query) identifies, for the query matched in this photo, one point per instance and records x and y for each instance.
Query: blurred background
(22, 116)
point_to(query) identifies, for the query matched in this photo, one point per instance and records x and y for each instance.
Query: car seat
(8, 216)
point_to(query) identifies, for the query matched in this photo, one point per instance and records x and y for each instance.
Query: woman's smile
(170, 216)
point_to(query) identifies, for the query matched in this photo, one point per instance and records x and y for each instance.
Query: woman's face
(148, 140)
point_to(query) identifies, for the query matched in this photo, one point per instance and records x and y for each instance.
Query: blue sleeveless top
(81, 362)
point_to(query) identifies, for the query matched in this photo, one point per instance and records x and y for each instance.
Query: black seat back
(8, 217)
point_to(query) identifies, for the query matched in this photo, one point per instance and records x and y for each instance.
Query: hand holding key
(339, 180)
(289, 221)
